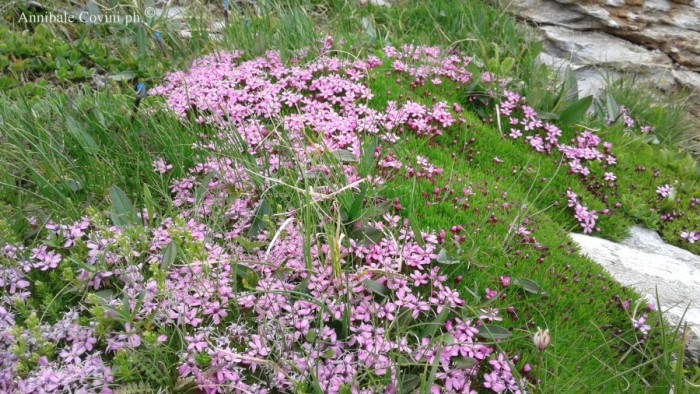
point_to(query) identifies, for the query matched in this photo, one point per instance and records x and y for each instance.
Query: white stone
(646, 263)
(688, 79)
(615, 3)
(657, 5)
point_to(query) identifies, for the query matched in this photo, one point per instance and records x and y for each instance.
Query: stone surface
(656, 40)
(669, 26)
(643, 261)
(593, 48)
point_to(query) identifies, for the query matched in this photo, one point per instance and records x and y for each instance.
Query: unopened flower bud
(542, 339)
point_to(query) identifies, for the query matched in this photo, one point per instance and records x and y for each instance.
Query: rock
(551, 13)
(615, 3)
(592, 48)
(656, 5)
(689, 80)
(644, 262)
(590, 82)
(672, 27)
(656, 40)
(683, 19)
(680, 44)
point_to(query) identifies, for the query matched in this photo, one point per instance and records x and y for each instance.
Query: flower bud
(542, 339)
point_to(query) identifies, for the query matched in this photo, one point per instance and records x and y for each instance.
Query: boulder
(644, 262)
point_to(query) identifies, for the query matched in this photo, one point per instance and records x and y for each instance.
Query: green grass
(62, 152)
(585, 355)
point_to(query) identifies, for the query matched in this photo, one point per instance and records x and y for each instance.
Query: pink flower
(160, 167)
(664, 191)
(490, 293)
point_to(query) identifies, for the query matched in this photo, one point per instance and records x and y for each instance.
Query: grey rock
(656, 40)
(615, 3)
(552, 13)
(593, 48)
(646, 263)
(689, 80)
(656, 5)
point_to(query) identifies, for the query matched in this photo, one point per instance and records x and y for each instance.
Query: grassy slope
(578, 314)
(584, 354)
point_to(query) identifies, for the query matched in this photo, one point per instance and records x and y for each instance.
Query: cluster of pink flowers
(691, 236)
(161, 167)
(265, 318)
(630, 122)
(664, 191)
(79, 366)
(585, 217)
(285, 327)
(544, 137)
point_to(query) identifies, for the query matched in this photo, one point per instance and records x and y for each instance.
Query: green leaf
(416, 232)
(493, 332)
(432, 327)
(150, 203)
(345, 156)
(123, 213)
(367, 235)
(409, 383)
(367, 158)
(356, 208)
(249, 245)
(376, 287)
(442, 258)
(169, 256)
(264, 209)
(463, 362)
(528, 285)
(611, 106)
(81, 135)
(574, 112)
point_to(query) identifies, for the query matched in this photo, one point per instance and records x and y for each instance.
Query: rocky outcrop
(645, 262)
(672, 27)
(657, 40)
